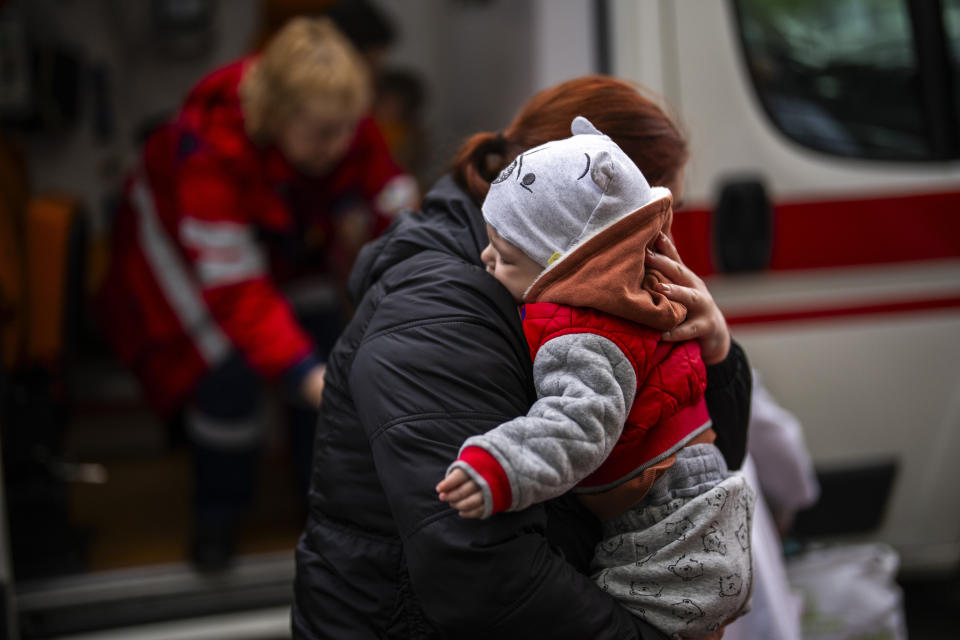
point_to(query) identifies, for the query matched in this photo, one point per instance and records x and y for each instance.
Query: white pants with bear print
(680, 558)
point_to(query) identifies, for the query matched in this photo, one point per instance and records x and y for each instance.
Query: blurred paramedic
(231, 248)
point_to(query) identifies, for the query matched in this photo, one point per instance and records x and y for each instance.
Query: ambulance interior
(794, 108)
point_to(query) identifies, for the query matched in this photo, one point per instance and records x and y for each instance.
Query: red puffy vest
(669, 408)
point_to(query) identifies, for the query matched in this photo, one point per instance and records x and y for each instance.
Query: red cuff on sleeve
(491, 471)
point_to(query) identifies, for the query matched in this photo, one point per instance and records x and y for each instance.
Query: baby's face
(512, 267)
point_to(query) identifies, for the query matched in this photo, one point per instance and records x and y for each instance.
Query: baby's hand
(462, 493)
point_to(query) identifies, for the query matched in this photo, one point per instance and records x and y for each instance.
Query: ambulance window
(951, 22)
(840, 76)
(951, 19)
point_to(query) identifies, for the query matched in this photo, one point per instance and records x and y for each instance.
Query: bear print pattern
(743, 536)
(601, 580)
(646, 589)
(611, 545)
(687, 610)
(717, 498)
(687, 569)
(713, 540)
(673, 506)
(644, 555)
(679, 528)
(731, 585)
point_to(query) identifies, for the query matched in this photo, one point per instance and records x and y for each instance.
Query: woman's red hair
(617, 108)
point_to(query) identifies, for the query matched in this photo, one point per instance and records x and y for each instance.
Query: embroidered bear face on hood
(580, 208)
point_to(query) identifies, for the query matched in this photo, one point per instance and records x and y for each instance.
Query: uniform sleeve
(230, 267)
(728, 401)
(585, 387)
(426, 387)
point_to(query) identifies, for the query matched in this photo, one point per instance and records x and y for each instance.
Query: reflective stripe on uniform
(227, 252)
(203, 234)
(399, 193)
(218, 433)
(173, 277)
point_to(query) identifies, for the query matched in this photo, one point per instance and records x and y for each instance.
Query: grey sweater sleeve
(585, 387)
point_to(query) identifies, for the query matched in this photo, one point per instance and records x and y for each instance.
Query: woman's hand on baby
(704, 321)
(462, 493)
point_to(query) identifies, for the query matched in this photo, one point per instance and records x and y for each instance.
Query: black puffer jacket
(435, 354)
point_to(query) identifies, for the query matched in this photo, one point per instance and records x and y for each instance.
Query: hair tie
(492, 158)
(490, 155)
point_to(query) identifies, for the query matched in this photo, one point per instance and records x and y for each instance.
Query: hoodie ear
(582, 126)
(603, 170)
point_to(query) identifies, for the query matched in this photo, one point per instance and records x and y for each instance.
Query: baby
(620, 416)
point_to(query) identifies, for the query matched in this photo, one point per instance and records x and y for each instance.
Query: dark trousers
(225, 421)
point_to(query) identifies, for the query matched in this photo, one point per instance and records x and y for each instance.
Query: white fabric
(553, 196)
(779, 464)
(227, 252)
(208, 235)
(850, 592)
(776, 609)
(784, 467)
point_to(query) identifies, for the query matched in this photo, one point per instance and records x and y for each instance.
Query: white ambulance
(823, 204)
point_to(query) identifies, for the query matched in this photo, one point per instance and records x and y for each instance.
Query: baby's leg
(680, 559)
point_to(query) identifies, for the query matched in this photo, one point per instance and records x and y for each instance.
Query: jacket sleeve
(427, 386)
(231, 269)
(585, 386)
(728, 401)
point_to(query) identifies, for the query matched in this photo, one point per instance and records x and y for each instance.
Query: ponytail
(479, 160)
(624, 111)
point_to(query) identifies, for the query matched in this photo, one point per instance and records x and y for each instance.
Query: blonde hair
(308, 63)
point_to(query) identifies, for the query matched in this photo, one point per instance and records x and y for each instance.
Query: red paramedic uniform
(211, 224)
